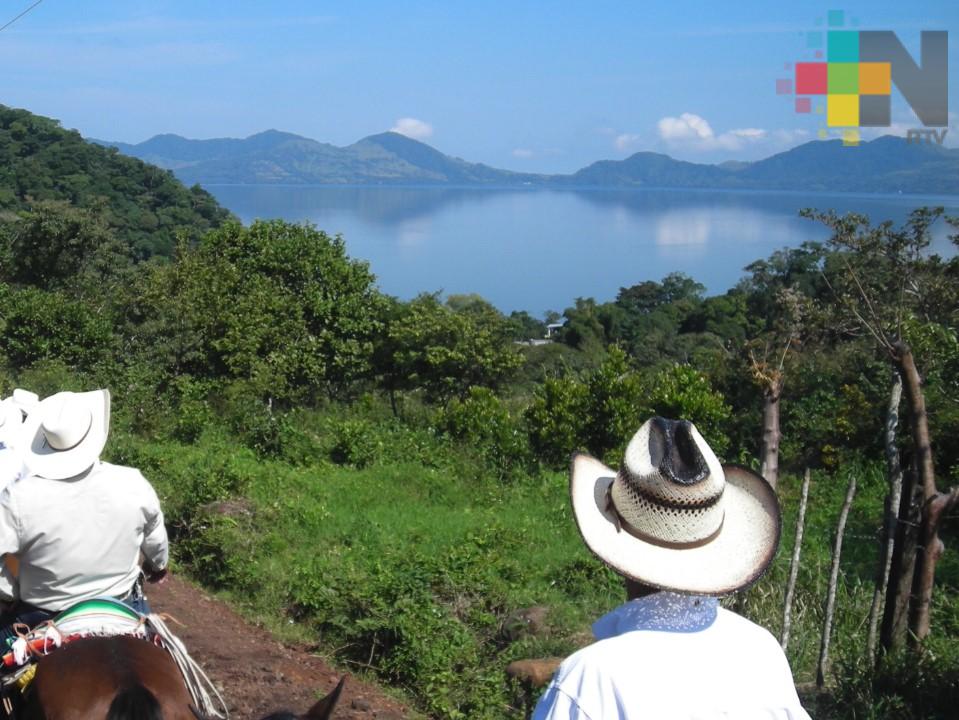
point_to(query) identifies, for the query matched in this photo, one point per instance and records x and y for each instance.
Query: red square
(803, 105)
(812, 79)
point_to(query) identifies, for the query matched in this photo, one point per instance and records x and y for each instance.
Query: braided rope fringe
(206, 697)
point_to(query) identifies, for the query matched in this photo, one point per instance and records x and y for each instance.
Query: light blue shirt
(674, 657)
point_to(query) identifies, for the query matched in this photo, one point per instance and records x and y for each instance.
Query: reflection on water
(675, 228)
(538, 250)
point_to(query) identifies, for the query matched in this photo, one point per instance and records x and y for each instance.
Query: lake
(538, 250)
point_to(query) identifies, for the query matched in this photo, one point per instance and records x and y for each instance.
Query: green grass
(411, 571)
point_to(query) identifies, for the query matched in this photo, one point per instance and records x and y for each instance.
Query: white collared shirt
(674, 657)
(80, 538)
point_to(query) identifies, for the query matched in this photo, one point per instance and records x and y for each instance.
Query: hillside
(886, 165)
(282, 158)
(147, 207)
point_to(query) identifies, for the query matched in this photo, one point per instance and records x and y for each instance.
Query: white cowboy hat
(66, 432)
(11, 422)
(673, 517)
(25, 400)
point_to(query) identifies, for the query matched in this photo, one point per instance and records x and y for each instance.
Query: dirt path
(254, 672)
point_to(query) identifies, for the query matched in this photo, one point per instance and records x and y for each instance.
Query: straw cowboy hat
(673, 517)
(66, 432)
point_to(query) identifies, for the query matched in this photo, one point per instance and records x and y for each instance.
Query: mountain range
(885, 165)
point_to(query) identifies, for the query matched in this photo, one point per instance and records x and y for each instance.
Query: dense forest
(144, 207)
(388, 475)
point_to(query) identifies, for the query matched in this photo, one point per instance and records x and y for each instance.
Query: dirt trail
(254, 672)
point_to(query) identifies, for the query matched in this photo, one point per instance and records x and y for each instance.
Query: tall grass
(408, 558)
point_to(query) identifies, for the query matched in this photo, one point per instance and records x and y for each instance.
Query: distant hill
(887, 165)
(146, 206)
(276, 157)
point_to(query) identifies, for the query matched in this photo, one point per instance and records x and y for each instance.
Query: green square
(842, 46)
(843, 78)
(837, 18)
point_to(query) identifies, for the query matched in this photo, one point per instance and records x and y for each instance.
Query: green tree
(277, 304)
(445, 352)
(883, 284)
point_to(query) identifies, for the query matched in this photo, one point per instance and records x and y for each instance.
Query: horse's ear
(324, 708)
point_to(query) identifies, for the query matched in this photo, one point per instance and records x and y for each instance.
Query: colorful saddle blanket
(99, 617)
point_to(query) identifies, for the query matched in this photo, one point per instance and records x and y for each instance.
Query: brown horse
(120, 678)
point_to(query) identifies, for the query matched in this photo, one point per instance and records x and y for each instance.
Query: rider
(77, 525)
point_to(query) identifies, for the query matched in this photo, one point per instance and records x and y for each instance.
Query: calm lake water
(538, 250)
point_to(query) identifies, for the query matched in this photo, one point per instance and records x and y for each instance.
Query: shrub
(355, 443)
(484, 422)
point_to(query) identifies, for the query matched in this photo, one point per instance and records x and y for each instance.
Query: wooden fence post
(833, 581)
(794, 563)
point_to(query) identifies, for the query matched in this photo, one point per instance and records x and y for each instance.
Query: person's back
(81, 537)
(675, 657)
(78, 526)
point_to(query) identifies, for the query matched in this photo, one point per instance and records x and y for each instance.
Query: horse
(122, 678)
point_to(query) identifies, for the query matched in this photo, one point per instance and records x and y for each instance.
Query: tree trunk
(930, 547)
(833, 582)
(794, 564)
(893, 498)
(929, 552)
(895, 613)
(769, 454)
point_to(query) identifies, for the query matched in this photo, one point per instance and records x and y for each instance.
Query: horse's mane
(134, 702)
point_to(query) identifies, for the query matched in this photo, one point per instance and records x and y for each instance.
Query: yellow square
(875, 79)
(850, 138)
(842, 110)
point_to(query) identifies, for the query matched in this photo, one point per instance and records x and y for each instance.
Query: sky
(530, 86)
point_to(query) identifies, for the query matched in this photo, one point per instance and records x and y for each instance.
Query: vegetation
(146, 207)
(389, 475)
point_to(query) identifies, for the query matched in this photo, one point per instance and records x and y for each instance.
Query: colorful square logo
(852, 72)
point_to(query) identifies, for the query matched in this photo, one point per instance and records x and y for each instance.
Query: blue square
(843, 46)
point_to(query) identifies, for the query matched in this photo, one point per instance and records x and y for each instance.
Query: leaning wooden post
(794, 563)
(833, 582)
(888, 539)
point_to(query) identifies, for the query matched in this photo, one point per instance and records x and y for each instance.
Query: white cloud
(523, 153)
(694, 132)
(686, 126)
(626, 141)
(413, 128)
(790, 137)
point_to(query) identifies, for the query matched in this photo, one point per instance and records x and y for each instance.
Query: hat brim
(737, 557)
(44, 461)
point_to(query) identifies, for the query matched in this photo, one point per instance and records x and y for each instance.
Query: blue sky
(547, 86)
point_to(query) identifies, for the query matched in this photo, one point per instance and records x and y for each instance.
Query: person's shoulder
(121, 472)
(602, 658)
(746, 628)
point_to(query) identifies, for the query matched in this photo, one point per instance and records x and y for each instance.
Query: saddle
(99, 617)
(102, 617)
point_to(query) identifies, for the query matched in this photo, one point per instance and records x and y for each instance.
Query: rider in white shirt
(77, 525)
(682, 530)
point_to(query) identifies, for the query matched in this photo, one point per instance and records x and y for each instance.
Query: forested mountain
(278, 157)
(887, 165)
(40, 162)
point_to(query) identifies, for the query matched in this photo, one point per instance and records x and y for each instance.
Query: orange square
(875, 78)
